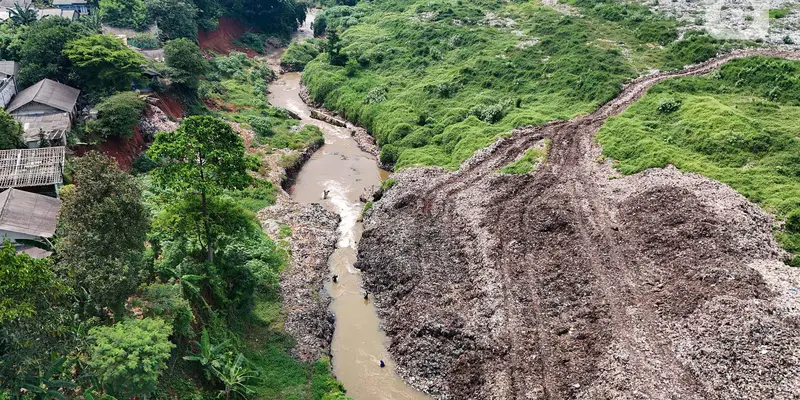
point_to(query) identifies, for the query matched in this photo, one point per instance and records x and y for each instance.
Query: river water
(345, 171)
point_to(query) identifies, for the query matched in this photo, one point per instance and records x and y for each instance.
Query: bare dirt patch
(565, 283)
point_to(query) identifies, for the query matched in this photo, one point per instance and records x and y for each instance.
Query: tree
(103, 63)
(117, 115)
(185, 62)
(124, 13)
(175, 18)
(202, 157)
(102, 228)
(31, 299)
(272, 16)
(334, 49)
(10, 132)
(23, 15)
(129, 357)
(41, 53)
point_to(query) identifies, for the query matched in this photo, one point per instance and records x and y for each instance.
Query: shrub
(668, 106)
(252, 40)
(166, 301)
(129, 357)
(375, 95)
(793, 221)
(694, 48)
(144, 41)
(778, 13)
(389, 154)
(298, 55)
(117, 115)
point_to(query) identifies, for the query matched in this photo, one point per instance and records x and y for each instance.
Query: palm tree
(24, 15)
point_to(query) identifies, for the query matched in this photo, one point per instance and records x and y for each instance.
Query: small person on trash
(335, 278)
(366, 295)
(325, 194)
(382, 364)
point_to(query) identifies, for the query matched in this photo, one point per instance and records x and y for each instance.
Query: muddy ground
(575, 283)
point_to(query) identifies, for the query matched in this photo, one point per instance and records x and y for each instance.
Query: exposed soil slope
(567, 284)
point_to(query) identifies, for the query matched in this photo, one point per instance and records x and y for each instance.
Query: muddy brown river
(342, 169)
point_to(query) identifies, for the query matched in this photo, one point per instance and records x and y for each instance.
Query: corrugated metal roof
(53, 126)
(28, 213)
(48, 92)
(11, 3)
(9, 68)
(31, 167)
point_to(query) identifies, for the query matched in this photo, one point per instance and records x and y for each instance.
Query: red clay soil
(122, 150)
(170, 105)
(221, 39)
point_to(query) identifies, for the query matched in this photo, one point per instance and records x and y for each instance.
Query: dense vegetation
(738, 126)
(434, 81)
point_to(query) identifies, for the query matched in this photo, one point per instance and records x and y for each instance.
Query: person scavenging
(335, 278)
(366, 295)
(382, 364)
(325, 194)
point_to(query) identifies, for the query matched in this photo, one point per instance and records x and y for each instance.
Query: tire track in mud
(539, 288)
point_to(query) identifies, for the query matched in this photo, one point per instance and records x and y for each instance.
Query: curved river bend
(342, 169)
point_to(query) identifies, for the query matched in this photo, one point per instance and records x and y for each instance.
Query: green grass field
(435, 80)
(740, 126)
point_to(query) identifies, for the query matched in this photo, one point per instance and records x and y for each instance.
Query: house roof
(31, 167)
(67, 2)
(9, 68)
(11, 3)
(28, 213)
(58, 12)
(53, 126)
(48, 92)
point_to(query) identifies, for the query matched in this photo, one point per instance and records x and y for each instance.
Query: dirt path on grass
(565, 283)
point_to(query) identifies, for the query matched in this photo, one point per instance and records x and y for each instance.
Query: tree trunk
(209, 246)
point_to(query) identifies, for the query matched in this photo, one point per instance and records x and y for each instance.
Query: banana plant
(235, 376)
(46, 385)
(210, 356)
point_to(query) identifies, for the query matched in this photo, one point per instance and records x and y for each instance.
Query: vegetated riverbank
(574, 282)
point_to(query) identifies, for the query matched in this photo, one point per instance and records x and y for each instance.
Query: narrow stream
(341, 168)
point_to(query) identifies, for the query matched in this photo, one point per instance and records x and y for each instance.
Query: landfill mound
(573, 282)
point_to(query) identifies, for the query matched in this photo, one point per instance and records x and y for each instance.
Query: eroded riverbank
(343, 170)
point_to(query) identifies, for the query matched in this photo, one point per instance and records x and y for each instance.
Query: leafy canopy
(185, 62)
(102, 228)
(10, 132)
(129, 357)
(117, 115)
(103, 63)
(41, 55)
(175, 18)
(124, 13)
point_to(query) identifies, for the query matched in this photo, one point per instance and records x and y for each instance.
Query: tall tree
(101, 229)
(103, 64)
(117, 115)
(202, 157)
(41, 53)
(124, 13)
(185, 62)
(175, 18)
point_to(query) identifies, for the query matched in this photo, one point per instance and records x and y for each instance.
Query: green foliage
(210, 356)
(27, 285)
(144, 41)
(103, 64)
(185, 62)
(668, 105)
(129, 357)
(124, 13)
(736, 126)
(255, 197)
(778, 13)
(271, 16)
(117, 115)
(101, 230)
(695, 47)
(453, 87)
(253, 40)
(23, 15)
(175, 18)
(527, 163)
(41, 55)
(298, 55)
(646, 26)
(166, 301)
(10, 132)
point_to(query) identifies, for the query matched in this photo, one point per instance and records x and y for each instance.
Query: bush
(166, 301)
(793, 221)
(298, 55)
(252, 40)
(668, 106)
(117, 115)
(124, 13)
(129, 357)
(144, 41)
(696, 47)
(389, 154)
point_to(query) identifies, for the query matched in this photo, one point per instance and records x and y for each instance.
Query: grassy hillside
(739, 126)
(434, 81)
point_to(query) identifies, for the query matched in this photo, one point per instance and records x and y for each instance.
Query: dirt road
(566, 284)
